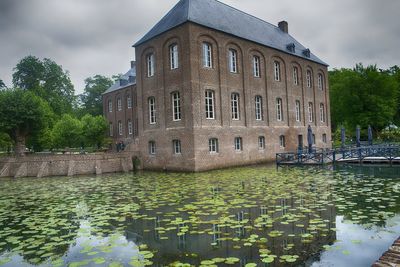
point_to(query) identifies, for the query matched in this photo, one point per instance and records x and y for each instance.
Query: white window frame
(152, 147)
(174, 56)
(256, 66)
(277, 71)
(322, 112)
(310, 112)
(261, 143)
(282, 141)
(119, 104)
(295, 75)
(279, 109)
(150, 65)
(129, 102)
(233, 61)
(110, 106)
(207, 55)
(320, 82)
(130, 127)
(238, 143)
(152, 110)
(111, 129)
(298, 110)
(213, 145)
(120, 128)
(235, 106)
(209, 104)
(308, 75)
(258, 108)
(177, 147)
(176, 106)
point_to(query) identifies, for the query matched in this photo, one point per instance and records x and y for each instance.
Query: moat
(252, 216)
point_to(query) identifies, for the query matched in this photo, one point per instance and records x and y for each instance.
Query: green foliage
(5, 141)
(23, 114)
(392, 135)
(67, 132)
(92, 97)
(48, 80)
(363, 96)
(2, 84)
(94, 129)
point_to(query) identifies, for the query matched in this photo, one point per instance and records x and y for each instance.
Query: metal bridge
(379, 153)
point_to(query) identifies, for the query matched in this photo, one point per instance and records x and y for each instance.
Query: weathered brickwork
(155, 137)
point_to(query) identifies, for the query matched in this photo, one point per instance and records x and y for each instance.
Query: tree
(23, 114)
(363, 96)
(91, 99)
(67, 132)
(46, 79)
(2, 85)
(94, 129)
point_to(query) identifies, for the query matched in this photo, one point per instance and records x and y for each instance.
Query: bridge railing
(322, 156)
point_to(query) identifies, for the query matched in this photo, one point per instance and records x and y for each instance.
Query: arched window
(129, 101)
(309, 79)
(298, 111)
(176, 106)
(173, 56)
(207, 55)
(259, 108)
(119, 104)
(320, 82)
(210, 107)
(279, 109)
(295, 76)
(322, 112)
(110, 106)
(232, 60)
(235, 106)
(130, 127)
(152, 110)
(150, 64)
(119, 127)
(310, 112)
(277, 71)
(256, 66)
(111, 129)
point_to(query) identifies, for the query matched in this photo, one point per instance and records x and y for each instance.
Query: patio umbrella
(369, 135)
(309, 139)
(358, 130)
(343, 136)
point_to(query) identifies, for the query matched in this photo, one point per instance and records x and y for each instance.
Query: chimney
(284, 26)
(133, 64)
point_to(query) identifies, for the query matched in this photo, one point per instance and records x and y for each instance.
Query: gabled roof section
(219, 16)
(125, 80)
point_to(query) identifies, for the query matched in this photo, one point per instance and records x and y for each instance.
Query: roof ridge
(248, 14)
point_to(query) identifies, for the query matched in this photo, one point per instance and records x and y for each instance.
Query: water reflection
(239, 217)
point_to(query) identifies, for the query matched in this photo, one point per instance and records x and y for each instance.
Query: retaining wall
(65, 165)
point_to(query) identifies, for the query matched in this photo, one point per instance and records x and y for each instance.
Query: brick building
(215, 87)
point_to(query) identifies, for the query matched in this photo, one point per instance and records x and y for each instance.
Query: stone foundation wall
(65, 165)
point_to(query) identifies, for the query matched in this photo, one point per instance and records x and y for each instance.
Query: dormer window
(306, 52)
(291, 47)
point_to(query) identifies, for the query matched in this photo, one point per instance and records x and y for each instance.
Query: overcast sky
(89, 37)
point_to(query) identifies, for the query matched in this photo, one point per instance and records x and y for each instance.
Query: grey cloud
(95, 36)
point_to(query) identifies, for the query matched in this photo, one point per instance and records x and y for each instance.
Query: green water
(254, 216)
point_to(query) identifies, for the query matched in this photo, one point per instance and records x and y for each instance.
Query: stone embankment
(390, 258)
(66, 165)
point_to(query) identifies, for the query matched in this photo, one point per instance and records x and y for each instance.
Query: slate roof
(219, 16)
(123, 81)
